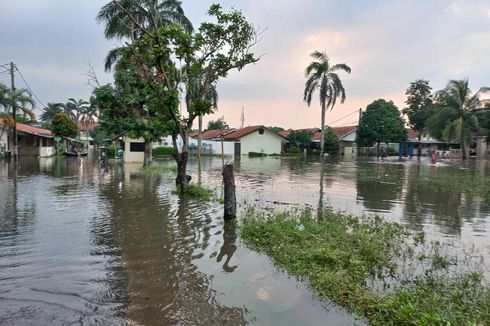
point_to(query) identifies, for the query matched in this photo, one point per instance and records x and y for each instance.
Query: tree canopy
(381, 123)
(64, 126)
(332, 142)
(218, 124)
(419, 102)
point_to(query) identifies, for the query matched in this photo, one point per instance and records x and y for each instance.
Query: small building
(258, 139)
(31, 141)
(134, 150)
(347, 136)
(84, 133)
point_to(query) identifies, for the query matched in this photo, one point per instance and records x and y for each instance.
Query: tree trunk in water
(147, 156)
(322, 140)
(230, 196)
(182, 179)
(463, 149)
(377, 149)
(199, 138)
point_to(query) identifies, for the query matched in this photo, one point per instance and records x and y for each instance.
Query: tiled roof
(243, 132)
(210, 134)
(285, 133)
(339, 131)
(31, 130)
(87, 126)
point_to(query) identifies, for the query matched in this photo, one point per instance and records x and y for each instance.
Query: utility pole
(14, 109)
(242, 118)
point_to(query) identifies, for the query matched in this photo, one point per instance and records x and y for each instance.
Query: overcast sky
(387, 44)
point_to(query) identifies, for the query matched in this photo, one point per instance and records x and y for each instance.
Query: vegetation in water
(197, 192)
(340, 255)
(160, 151)
(256, 154)
(158, 169)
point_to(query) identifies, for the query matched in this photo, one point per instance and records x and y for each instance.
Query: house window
(261, 131)
(136, 147)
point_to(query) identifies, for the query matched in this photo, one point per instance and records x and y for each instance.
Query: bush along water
(346, 259)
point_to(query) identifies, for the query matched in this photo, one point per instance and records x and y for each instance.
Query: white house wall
(4, 139)
(214, 146)
(267, 143)
(133, 157)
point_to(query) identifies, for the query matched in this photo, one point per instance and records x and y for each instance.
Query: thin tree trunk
(147, 155)
(199, 138)
(322, 140)
(182, 179)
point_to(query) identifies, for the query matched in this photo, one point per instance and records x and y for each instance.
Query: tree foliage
(50, 111)
(21, 99)
(457, 113)
(322, 76)
(300, 138)
(64, 126)
(218, 124)
(381, 123)
(332, 142)
(419, 101)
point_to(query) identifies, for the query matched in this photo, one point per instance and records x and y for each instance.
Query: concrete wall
(133, 157)
(267, 143)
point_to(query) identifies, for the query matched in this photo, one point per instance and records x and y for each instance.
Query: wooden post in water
(230, 196)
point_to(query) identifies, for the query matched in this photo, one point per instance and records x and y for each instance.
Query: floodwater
(84, 244)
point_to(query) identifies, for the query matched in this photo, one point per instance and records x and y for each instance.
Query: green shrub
(197, 192)
(256, 154)
(158, 151)
(112, 149)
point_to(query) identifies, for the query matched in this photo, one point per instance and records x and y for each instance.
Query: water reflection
(84, 243)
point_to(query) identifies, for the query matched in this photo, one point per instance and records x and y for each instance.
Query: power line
(356, 111)
(29, 87)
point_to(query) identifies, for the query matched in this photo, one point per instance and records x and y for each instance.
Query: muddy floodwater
(111, 245)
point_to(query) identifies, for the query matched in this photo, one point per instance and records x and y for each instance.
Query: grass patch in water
(339, 254)
(197, 192)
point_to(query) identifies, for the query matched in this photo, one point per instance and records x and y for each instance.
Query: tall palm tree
(322, 76)
(19, 99)
(50, 111)
(75, 108)
(458, 108)
(150, 14)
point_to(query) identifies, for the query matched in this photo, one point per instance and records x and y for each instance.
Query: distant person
(434, 157)
(382, 153)
(120, 153)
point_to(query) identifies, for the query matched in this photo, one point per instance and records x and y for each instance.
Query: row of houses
(31, 141)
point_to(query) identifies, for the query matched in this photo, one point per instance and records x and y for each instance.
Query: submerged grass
(158, 169)
(197, 192)
(339, 254)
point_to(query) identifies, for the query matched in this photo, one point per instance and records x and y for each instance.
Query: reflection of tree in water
(157, 246)
(380, 184)
(440, 206)
(229, 247)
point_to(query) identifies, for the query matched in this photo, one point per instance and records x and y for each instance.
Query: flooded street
(84, 244)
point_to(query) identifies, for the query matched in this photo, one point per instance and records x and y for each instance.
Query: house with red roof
(211, 142)
(84, 129)
(258, 139)
(31, 141)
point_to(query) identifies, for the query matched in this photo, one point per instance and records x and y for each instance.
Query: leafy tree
(64, 126)
(300, 138)
(50, 111)
(419, 101)
(381, 123)
(100, 134)
(168, 56)
(218, 124)
(457, 114)
(275, 129)
(322, 77)
(332, 142)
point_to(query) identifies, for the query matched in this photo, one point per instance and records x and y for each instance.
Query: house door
(238, 150)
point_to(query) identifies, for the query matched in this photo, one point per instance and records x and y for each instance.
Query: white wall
(267, 143)
(214, 146)
(46, 151)
(4, 138)
(167, 142)
(133, 157)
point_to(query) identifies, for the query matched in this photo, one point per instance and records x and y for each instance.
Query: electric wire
(29, 87)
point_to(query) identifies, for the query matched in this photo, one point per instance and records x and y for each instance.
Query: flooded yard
(85, 244)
